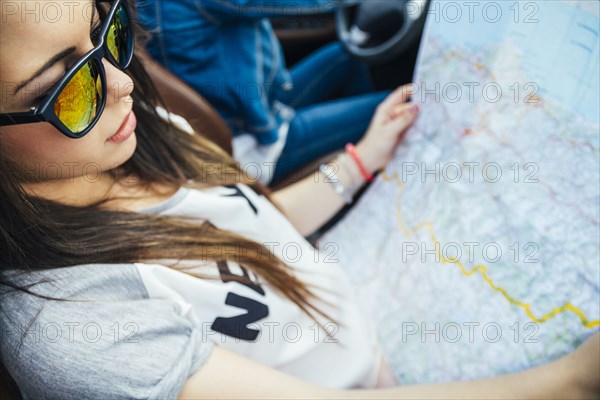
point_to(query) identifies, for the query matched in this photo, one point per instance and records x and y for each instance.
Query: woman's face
(40, 40)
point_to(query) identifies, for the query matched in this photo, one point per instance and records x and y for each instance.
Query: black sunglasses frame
(45, 112)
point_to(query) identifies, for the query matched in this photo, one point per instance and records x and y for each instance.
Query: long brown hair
(37, 234)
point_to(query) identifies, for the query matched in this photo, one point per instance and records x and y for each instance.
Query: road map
(477, 251)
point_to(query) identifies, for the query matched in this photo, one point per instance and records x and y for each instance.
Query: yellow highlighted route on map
(568, 307)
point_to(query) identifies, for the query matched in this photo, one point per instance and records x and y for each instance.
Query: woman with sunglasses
(137, 261)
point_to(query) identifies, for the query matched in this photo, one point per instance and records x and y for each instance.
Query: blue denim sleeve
(255, 9)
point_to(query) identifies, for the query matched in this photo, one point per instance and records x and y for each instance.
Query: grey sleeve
(117, 344)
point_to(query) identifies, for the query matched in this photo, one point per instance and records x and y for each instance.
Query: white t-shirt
(144, 329)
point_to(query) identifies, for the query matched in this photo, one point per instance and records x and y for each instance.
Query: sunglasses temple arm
(19, 118)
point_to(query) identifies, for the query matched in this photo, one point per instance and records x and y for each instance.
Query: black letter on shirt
(239, 193)
(237, 326)
(226, 276)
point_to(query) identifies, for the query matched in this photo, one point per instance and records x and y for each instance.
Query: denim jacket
(228, 52)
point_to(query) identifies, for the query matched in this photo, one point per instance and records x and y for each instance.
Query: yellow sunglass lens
(77, 104)
(111, 41)
(117, 38)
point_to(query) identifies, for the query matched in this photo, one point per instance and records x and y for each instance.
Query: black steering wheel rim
(413, 13)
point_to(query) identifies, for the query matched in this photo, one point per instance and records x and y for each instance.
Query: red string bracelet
(353, 153)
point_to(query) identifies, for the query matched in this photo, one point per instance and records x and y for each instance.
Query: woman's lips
(126, 130)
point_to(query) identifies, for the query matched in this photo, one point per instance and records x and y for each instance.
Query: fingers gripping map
(477, 251)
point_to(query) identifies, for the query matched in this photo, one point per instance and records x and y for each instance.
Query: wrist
(332, 177)
(349, 173)
(370, 163)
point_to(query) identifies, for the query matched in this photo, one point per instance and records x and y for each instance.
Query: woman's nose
(119, 84)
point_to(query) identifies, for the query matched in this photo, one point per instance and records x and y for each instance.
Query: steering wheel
(376, 31)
